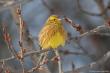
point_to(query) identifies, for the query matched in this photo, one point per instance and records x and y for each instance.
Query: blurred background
(93, 49)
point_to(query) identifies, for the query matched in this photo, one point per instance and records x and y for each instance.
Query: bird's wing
(47, 32)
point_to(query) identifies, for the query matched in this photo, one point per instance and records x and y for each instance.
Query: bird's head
(53, 19)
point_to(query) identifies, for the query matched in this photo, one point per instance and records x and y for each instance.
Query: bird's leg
(42, 58)
(59, 61)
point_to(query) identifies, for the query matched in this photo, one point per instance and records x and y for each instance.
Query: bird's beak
(59, 19)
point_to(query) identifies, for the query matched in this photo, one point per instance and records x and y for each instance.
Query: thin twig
(22, 51)
(26, 54)
(79, 28)
(76, 26)
(42, 61)
(8, 40)
(26, 43)
(39, 63)
(22, 66)
(59, 62)
(5, 68)
(92, 31)
(101, 61)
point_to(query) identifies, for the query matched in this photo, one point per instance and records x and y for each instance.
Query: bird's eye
(54, 19)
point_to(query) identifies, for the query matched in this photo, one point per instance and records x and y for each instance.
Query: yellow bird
(53, 34)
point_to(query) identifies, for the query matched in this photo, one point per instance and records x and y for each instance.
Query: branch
(76, 26)
(92, 31)
(26, 54)
(59, 62)
(8, 40)
(80, 30)
(98, 62)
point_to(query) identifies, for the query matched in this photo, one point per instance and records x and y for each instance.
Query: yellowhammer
(53, 34)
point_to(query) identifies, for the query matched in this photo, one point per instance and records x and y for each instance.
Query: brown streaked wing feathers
(46, 33)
